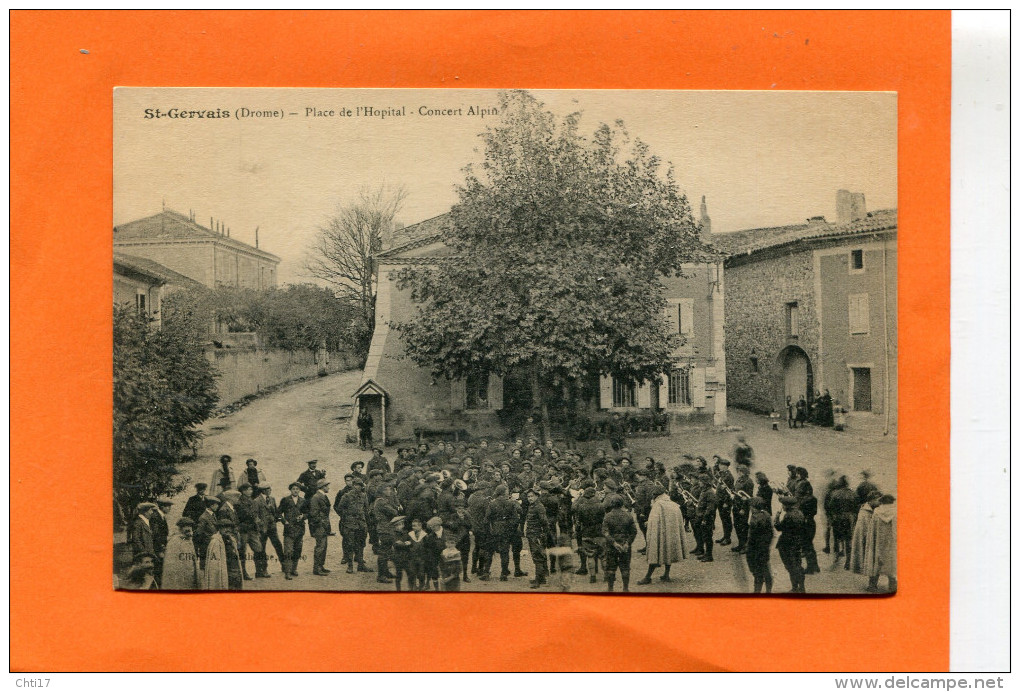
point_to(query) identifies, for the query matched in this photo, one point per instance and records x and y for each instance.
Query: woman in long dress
(180, 565)
(664, 536)
(214, 577)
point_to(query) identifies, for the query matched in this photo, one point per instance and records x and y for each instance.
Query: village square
(570, 380)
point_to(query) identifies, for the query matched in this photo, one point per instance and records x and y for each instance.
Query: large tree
(341, 254)
(163, 388)
(560, 241)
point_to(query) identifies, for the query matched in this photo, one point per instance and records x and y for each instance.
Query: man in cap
(358, 470)
(160, 536)
(743, 489)
(266, 516)
(619, 530)
(704, 517)
(248, 533)
(378, 462)
(206, 528)
(536, 528)
(195, 505)
(725, 498)
(292, 513)
(643, 496)
(502, 518)
(141, 530)
(310, 478)
(140, 577)
(318, 526)
(588, 516)
(790, 524)
(354, 524)
(223, 477)
(808, 505)
(478, 508)
(457, 527)
(384, 509)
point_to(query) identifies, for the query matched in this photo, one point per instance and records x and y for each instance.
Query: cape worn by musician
(665, 539)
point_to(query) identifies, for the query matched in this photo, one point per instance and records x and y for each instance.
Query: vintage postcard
(477, 340)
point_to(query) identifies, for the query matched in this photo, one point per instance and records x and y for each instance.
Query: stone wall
(757, 294)
(243, 372)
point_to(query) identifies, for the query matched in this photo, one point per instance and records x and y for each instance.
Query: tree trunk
(538, 399)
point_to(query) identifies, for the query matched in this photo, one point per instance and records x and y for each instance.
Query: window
(856, 261)
(477, 391)
(686, 317)
(140, 304)
(860, 318)
(680, 388)
(792, 321)
(623, 394)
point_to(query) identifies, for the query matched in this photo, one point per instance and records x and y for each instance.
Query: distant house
(404, 397)
(142, 283)
(207, 255)
(812, 307)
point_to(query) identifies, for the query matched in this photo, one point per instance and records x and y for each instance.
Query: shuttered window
(680, 387)
(860, 317)
(623, 394)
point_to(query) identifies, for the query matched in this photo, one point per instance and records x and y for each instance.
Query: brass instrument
(779, 489)
(743, 496)
(625, 487)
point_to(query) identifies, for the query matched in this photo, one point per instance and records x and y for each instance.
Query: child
(401, 551)
(434, 544)
(416, 556)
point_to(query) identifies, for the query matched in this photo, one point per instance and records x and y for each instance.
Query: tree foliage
(560, 241)
(341, 254)
(163, 388)
(295, 317)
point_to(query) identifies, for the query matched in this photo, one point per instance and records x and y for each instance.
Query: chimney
(228, 232)
(857, 207)
(843, 206)
(705, 222)
(256, 237)
(212, 226)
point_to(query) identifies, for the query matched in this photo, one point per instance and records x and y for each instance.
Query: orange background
(64, 613)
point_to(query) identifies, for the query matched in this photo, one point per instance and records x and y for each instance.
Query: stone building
(207, 255)
(142, 283)
(404, 398)
(812, 307)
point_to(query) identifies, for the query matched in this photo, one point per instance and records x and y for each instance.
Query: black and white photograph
(505, 341)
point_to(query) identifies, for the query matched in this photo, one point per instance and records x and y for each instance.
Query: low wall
(244, 371)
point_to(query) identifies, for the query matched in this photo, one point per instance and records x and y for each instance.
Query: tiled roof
(152, 269)
(171, 225)
(754, 239)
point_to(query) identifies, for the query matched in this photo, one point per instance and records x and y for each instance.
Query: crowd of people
(440, 516)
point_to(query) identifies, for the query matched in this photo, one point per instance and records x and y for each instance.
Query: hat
(658, 489)
(791, 467)
(874, 495)
(460, 484)
(243, 485)
(587, 483)
(295, 484)
(375, 472)
(322, 483)
(546, 485)
(164, 503)
(212, 501)
(886, 500)
(231, 495)
(357, 463)
(201, 486)
(434, 478)
(788, 500)
(397, 520)
(185, 521)
(611, 484)
(263, 486)
(225, 458)
(251, 461)
(145, 507)
(434, 523)
(312, 461)
(528, 464)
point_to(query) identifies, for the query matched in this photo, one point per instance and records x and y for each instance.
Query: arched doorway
(797, 378)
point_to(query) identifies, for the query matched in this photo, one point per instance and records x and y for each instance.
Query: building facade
(141, 283)
(405, 400)
(207, 255)
(812, 308)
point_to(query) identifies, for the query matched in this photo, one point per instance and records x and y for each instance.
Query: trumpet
(781, 490)
(743, 496)
(625, 487)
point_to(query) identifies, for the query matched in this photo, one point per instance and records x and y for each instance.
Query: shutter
(687, 317)
(673, 317)
(458, 395)
(663, 391)
(605, 392)
(644, 396)
(495, 392)
(698, 387)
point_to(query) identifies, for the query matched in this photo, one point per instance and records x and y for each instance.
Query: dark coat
(293, 514)
(537, 523)
(318, 515)
(353, 510)
(589, 515)
(309, 481)
(791, 528)
(160, 532)
(765, 492)
(266, 513)
(759, 541)
(194, 507)
(619, 527)
(706, 506)
(502, 516)
(141, 537)
(246, 515)
(204, 530)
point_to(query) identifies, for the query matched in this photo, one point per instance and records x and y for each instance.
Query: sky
(761, 158)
